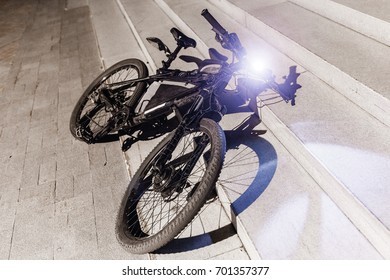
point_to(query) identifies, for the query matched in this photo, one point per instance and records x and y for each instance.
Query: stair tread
(321, 108)
(283, 220)
(287, 169)
(375, 8)
(143, 16)
(106, 34)
(361, 57)
(324, 117)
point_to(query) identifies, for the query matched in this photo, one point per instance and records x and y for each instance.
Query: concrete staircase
(317, 184)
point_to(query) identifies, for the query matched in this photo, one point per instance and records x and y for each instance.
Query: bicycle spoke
(153, 210)
(94, 116)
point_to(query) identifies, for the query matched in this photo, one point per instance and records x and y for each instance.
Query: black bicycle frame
(167, 75)
(189, 77)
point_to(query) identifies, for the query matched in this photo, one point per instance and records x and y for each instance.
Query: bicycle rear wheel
(157, 207)
(91, 120)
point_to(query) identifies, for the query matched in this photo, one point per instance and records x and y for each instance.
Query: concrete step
(352, 63)
(326, 133)
(375, 8)
(370, 18)
(249, 217)
(311, 64)
(141, 18)
(116, 41)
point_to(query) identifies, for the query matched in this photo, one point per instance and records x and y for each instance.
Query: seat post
(171, 57)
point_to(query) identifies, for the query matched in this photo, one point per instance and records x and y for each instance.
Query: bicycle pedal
(84, 134)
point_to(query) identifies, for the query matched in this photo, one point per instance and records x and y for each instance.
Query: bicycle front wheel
(157, 207)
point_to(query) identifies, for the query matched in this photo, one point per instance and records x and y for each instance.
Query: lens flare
(257, 65)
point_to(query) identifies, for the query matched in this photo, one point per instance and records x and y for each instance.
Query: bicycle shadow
(249, 167)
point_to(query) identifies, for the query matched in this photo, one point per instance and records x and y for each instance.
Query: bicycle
(175, 179)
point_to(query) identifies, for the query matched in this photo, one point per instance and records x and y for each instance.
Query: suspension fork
(192, 114)
(200, 145)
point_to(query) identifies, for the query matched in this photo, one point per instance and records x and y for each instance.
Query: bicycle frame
(129, 113)
(172, 75)
(168, 75)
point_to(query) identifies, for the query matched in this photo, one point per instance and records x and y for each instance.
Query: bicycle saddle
(183, 40)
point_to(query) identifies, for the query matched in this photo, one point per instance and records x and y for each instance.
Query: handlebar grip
(214, 23)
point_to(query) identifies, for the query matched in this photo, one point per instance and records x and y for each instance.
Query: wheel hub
(167, 183)
(161, 181)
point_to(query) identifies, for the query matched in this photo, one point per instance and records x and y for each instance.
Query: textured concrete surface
(302, 113)
(116, 41)
(143, 15)
(59, 196)
(340, 135)
(340, 78)
(284, 212)
(368, 18)
(375, 8)
(361, 57)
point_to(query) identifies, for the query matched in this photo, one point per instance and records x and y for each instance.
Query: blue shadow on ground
(185, 244)
(267, 164)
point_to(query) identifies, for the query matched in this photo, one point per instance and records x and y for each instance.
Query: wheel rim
(148, 210)
(93, 115)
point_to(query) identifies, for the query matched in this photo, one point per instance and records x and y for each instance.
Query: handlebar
(217, 28)
(228, 41)
(231, 42)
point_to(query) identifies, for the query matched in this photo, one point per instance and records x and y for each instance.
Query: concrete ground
(310, 183)
(290, 216)
(59, 196)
